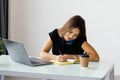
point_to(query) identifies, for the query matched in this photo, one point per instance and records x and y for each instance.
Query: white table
(95, 71)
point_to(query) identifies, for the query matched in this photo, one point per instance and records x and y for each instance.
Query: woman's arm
(44, 54)
(48, 56)
(91, 51)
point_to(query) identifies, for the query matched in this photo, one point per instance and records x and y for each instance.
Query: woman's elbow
(97, 58)
(94, 58)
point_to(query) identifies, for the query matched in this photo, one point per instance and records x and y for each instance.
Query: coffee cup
(84, 60)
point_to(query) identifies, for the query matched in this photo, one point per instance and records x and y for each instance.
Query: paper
(74, 61)
(69, 61)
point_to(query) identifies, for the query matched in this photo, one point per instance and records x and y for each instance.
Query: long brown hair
(74, 22)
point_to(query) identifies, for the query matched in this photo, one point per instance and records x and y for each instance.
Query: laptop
(17, 52)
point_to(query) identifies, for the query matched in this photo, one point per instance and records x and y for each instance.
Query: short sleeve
(83, 39)
(53, 35)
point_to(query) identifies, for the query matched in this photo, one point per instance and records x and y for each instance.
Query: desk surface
(96, 70)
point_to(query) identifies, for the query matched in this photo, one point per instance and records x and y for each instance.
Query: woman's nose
(71, 36)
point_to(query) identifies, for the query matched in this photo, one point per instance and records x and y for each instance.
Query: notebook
(17, 52)
(69, 61)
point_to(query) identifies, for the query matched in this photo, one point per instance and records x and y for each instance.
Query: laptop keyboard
(34, 62)
(39, 61)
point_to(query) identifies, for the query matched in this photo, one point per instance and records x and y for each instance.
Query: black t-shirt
(60, 45)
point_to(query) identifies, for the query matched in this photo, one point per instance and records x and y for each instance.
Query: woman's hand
(68, 56)
(61, 58)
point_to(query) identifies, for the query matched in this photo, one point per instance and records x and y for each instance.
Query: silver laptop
(18, 54)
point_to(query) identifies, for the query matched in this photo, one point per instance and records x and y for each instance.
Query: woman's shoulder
(80, 40)
(54, 31)
(54, 35)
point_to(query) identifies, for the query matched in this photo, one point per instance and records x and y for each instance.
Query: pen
(64, 59)
(60, 52)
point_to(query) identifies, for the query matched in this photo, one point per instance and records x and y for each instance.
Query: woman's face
(72, 34)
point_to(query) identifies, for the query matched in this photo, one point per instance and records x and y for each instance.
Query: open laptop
(18, 54)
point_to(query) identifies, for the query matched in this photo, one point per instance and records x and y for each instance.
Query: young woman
(68, 42)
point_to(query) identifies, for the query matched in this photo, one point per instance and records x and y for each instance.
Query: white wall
(31, 20)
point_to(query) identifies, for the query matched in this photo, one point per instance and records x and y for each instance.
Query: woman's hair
(74, 22)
